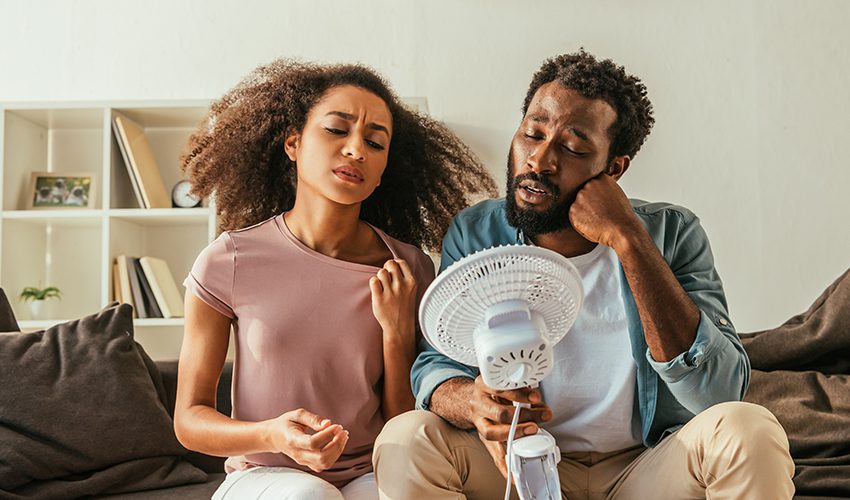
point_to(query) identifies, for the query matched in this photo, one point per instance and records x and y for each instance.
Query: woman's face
(342, 151)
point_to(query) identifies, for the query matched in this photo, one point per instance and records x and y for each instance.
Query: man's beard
(530, 221)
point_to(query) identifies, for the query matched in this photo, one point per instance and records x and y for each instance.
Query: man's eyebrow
(579, 133)
(350, 117)
(540, 118)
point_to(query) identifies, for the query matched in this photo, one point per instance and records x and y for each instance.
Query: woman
(319, 174)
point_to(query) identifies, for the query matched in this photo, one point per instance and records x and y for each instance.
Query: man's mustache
(542, 179)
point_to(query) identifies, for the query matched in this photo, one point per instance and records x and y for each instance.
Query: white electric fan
(502, 310)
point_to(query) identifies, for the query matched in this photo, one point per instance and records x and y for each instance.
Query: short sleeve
(425, 273)
(211, 278)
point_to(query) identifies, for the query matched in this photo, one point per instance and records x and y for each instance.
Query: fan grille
(456, 302)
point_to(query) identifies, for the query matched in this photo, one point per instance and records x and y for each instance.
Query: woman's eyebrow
(350, 117)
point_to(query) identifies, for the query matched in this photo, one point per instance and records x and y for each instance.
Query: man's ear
(290, 144)
(618, 166)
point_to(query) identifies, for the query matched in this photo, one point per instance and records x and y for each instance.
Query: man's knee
(748, 423)
(411, 428)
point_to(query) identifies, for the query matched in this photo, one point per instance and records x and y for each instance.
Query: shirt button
(723, 321)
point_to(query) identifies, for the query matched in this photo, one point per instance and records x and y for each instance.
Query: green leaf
(32, 293)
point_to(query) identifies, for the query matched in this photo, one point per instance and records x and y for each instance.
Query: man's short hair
(595, 79)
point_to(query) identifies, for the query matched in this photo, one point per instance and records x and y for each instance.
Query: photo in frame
(61, 190)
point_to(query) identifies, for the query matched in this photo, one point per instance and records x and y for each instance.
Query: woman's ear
(290, 144)
(618, 166)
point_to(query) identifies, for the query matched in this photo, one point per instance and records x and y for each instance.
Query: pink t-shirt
(305, 334)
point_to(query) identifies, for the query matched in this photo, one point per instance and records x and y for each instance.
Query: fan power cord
(519, 406)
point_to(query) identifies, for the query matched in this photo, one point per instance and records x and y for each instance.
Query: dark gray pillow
(7, 316)
(81, 413)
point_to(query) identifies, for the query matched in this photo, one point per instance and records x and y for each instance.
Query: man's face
(561, 143)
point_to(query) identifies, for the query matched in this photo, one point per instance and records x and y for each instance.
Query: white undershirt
(591, 389)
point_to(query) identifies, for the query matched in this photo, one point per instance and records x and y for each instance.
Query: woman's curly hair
(237, 154)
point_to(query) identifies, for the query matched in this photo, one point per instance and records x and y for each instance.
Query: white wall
(750, 96)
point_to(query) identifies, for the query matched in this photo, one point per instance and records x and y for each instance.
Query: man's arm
(451, 400)
(668, 315)
(714, 368)
(692, 344)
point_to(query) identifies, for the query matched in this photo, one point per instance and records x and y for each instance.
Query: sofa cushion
(201, 491)
(7, 316)
(81, 413)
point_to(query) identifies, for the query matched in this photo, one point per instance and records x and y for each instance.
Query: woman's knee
(276, 483)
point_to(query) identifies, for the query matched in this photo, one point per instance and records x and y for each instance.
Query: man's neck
(566, 242)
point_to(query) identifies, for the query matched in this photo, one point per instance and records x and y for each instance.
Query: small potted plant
(36, 297)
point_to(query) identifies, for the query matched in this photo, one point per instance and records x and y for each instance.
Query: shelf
(43, 324)
(74, 248)
(153, 322)
(39, 324)
(60, 119)
(160, 216)
(66, 218)
(164, 117)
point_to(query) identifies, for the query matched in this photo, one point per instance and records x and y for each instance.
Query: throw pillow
(7, 316)
(81, 414)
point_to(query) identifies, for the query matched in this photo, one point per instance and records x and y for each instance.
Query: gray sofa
(801, 372)
(85, 412)
(213, 466)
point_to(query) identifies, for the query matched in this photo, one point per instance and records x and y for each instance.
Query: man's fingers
(492, 431)
(537, 413)
(503, 413)
(522, 395)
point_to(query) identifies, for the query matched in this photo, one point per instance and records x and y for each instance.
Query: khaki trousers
(730, 451)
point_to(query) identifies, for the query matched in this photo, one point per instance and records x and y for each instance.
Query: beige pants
(730, 451)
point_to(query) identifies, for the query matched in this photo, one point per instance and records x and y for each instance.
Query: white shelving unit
(73, 248)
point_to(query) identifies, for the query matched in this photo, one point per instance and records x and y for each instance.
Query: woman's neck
(326, 227)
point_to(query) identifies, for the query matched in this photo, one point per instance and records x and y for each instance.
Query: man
(644, 398)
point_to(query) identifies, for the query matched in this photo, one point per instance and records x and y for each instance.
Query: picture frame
(61, 190)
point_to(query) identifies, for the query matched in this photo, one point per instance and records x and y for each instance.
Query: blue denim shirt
(715, 368)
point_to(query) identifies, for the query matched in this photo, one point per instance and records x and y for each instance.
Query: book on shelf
(147, 284)
(142, 168)
(136, 289)
(116, 282)
(126, 157)
(148, 297)
(164, 288)
(124, 285)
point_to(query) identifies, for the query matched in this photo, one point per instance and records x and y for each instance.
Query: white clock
(181, 196)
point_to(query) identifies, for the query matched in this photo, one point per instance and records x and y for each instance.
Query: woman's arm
(394, 306)
(200, 427)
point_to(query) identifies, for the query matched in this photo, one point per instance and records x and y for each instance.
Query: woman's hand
(394, 300)
(291, 434)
